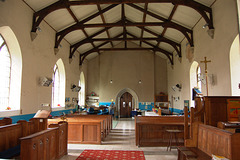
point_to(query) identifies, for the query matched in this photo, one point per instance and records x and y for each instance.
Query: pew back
(212, 140)
(5, 121)
(9, 136)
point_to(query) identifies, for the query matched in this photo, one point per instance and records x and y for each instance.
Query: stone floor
(122, 137)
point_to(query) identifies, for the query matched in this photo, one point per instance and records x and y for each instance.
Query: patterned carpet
(111, 155)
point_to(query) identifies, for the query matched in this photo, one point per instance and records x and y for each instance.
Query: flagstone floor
(122, 137)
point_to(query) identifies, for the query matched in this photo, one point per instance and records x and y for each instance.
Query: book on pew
(42, 114)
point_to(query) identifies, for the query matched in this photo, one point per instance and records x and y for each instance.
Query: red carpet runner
(111, 155)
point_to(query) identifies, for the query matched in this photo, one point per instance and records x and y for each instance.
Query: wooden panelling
(40, 145)
(87, 129)
(215, 108)
(151, 131)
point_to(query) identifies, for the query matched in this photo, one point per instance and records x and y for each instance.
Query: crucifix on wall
(206, 61)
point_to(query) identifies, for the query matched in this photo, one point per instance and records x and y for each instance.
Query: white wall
(126, 68)
(38, 55)
(217, 50)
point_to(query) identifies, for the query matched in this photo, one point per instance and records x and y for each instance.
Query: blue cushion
(11, 152)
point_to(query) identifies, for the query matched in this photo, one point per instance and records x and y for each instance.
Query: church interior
(145, 79)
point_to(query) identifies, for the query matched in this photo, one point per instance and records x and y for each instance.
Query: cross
(205, 61)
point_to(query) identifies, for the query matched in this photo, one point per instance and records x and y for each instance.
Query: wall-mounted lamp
(111, 81)
(177, 86)
(75, 88)
(39, 29)
(205, 25)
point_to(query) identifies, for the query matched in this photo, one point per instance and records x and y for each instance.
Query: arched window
(235, 67)
(58, 87)
(81, 95)
(5, 70)
(11, 73)
(195, 72)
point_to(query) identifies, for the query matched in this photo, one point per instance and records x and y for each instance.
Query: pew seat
(11, 152)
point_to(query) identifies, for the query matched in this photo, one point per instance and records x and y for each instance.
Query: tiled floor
(122, 137)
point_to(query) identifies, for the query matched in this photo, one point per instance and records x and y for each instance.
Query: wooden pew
(62, 135)
(5, 121)
(87, 129)
(151, 130)
(40, 145)
(10, 134)
(212, 140)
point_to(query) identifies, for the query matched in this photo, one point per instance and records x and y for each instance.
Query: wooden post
(191, 121)
(186, 129)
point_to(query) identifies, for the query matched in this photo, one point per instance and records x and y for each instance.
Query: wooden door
(125, 105)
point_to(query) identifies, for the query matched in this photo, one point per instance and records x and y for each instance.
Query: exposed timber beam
(60, 35)
(185, 31)
(144, 20)
(168, 54)
(104, 21)
(85, 54)
(204, 11)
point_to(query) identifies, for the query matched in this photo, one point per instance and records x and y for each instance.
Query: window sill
(9, 113)
(58, 108)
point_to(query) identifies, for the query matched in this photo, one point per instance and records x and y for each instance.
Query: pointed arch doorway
(126, 105)
(134, 101)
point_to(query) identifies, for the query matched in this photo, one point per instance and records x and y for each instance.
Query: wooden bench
(62, 135)
(211, 140)
(5, 121)
(48, 144)
(10, 134)
(151, 130)
(87, 129)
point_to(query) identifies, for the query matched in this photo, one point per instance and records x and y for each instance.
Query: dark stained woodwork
(215, 108)
(40, 15)
(60, 35)
(151, 130)
(144, 19)
(125, 105)
(104, 21)
(185, 31)
(5, 121)
(204, 11)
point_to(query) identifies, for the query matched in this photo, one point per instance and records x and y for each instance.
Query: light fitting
(139, 81)
(111, 81)
(39, 29)
(205, 25)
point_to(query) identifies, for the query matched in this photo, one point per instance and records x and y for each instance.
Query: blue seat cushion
(11, 152)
